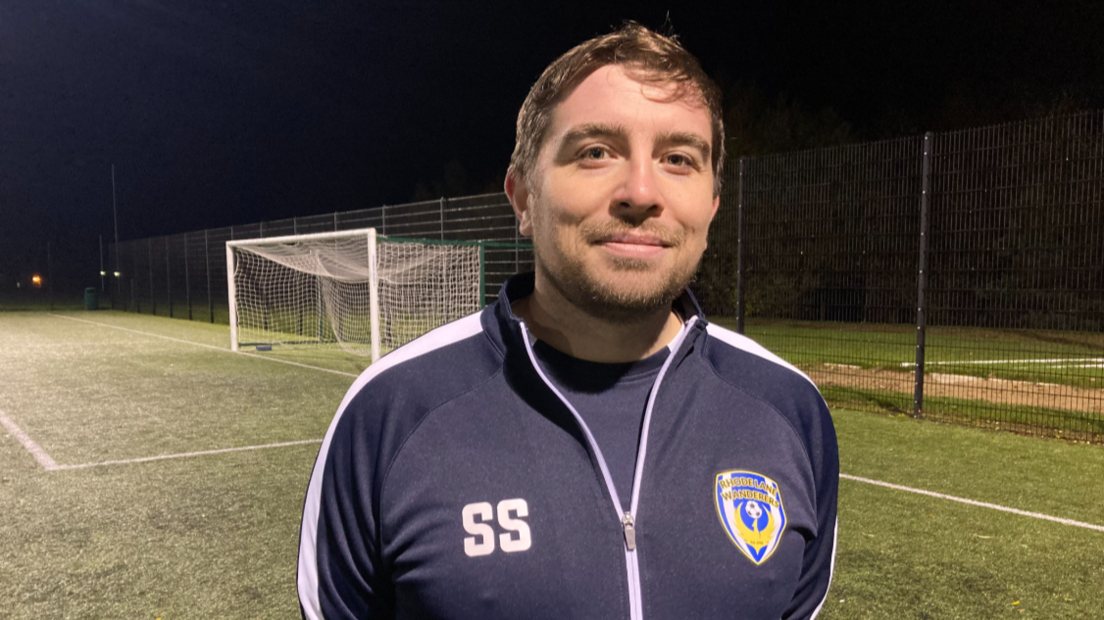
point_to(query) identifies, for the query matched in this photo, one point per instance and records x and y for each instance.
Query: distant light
(36, 280)
(103, 273)
(117, 274)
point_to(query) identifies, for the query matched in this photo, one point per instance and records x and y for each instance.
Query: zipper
(626, 518)
(630, 532)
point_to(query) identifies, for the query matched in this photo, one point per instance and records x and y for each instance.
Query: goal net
(350, 290)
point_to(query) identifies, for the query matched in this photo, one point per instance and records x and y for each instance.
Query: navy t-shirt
(611, 398)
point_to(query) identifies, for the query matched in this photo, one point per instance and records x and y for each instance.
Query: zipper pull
(630, 531)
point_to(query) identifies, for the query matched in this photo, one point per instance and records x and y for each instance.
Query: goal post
(353, 290)
(373, 293)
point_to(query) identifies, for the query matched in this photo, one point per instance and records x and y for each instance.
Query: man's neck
(567, 328)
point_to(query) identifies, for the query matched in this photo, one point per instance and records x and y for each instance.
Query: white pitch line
(207, 346)
(36, 451)
(1024, 513)
(184, 455)
(1009, 361)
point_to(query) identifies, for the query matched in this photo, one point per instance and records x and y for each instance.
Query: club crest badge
(751, 511)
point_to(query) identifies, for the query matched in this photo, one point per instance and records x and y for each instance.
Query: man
(588, 446)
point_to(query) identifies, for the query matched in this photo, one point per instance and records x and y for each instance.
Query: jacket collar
(505, 328)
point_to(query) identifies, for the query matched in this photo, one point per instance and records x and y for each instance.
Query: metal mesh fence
(829, 250)
(957, 276)
(1017, 276)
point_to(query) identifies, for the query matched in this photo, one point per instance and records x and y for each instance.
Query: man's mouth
(634, 245)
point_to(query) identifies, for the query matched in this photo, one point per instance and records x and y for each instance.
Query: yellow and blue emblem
(751, 511)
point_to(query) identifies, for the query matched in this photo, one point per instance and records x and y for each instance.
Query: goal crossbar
(304, 237)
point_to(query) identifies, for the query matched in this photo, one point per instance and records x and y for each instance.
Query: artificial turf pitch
(214, 535)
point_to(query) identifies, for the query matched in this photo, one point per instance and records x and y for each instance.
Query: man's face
(622, 195)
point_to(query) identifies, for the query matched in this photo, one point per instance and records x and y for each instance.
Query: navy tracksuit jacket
(455, 482)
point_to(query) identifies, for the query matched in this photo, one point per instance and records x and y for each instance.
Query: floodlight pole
(115, 213)
(115, 218)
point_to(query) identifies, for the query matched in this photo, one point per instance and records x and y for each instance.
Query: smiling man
(618, 203)
(588, 446)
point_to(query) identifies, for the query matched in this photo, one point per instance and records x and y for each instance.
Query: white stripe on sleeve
(748, 345)
(307, 581)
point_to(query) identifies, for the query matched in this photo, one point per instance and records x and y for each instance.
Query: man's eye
(680, 160)
(595, 152)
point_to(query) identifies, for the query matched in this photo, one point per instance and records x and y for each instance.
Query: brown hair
(651, 57)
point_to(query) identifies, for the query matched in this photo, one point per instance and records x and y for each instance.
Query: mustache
(604, 231)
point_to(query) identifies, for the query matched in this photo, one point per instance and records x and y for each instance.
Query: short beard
(604, 302)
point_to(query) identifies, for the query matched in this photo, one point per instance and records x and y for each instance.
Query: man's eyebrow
(594, 130)
(693, 140)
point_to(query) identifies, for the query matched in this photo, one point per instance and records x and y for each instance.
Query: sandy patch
(1003, 391)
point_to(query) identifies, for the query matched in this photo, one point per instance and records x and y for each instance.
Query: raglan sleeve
(341, 572)
(820, 552)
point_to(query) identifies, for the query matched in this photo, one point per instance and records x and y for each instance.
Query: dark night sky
(228, 113)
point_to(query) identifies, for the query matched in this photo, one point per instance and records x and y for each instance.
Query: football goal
(354, 290)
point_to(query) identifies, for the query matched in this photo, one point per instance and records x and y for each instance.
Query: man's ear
(518, 194)
(716, 203)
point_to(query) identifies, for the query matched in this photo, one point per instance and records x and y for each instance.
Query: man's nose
(638, 192)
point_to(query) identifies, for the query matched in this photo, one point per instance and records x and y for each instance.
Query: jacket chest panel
(726, 506)
(495, 512)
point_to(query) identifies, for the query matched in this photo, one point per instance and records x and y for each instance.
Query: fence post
(295, 225)
(207, 268)
(187, 279)
(383, 225)
(168, 276)
(922, 277)
(335, 221)
(740, 279)
(149, 253)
